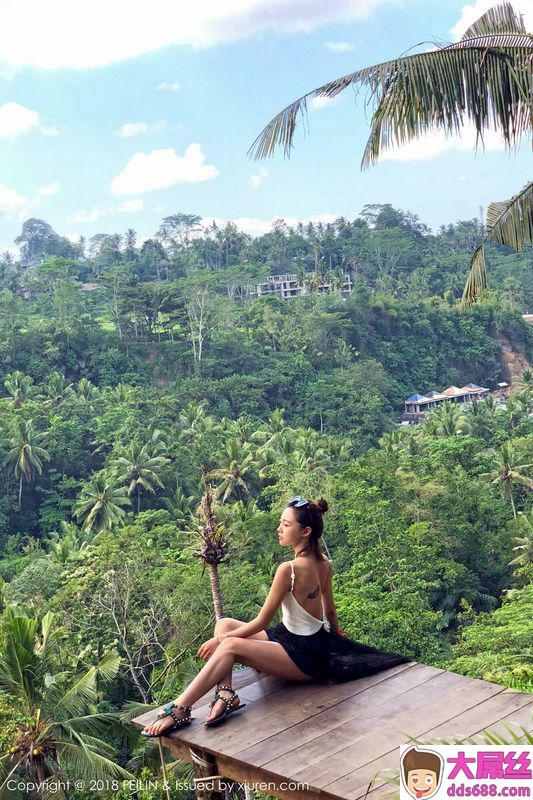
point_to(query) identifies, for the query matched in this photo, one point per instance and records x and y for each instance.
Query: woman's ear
(307, 532)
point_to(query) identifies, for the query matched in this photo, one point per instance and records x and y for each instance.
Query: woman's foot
(160, 725)
(219, 706)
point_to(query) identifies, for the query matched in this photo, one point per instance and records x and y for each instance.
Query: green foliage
(498, 647)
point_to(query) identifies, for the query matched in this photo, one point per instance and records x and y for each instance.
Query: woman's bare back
(311, 577)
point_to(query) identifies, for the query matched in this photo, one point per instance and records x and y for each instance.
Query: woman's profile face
(289, 529)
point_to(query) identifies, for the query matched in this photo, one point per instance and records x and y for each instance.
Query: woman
(305, 646)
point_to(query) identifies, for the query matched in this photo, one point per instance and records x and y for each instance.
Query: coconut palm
(214, 544)
(509, 222)
(235, 472)
(26, 455)
(86, 390)
(56, 388)
(507, 472)
(101, 504)
(524, 544)
(446, 420)
(18, 386)
(121, 393)
(271, 433)
(68, 544)
(179, 505)
(57, 731)
(525, 381)
(139, 468)
(480, 420)
(485, 79)
(193, 420)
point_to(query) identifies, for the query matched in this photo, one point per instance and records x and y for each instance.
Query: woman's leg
(266, 656)
(224, 625)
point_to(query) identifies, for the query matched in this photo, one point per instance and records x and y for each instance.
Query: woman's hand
(207, 649)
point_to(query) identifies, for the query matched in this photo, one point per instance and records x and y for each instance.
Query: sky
(116, 114)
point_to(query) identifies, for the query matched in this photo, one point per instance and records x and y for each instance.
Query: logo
(422, 770)
(443, 771)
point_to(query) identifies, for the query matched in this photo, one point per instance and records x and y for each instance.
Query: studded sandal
(168, 711)
(229, 706)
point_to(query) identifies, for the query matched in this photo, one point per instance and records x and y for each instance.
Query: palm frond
(132, 708)
(509, 222)
(487, 80)
(498, 19)
(81, 693)
(109, 666)
(82, 762)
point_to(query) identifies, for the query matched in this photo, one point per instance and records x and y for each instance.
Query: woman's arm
(280, 586)
(329, 603)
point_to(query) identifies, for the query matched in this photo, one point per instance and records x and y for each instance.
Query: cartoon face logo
(421, 772)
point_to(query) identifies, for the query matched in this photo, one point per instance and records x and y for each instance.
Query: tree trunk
(20, 493)
(215, 590)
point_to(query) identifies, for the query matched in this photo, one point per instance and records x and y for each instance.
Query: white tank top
(294, 616)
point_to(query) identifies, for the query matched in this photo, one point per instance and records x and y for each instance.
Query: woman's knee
(225, 624)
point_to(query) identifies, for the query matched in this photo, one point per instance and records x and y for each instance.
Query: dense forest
(136, 378)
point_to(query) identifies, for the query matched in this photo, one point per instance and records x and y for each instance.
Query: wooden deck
(334, 738)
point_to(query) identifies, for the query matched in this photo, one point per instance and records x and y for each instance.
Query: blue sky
(113, 116)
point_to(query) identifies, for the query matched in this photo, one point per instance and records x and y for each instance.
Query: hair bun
(322, 505)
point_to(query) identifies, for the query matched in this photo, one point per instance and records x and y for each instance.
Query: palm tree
(86, 390)
(485, 79)
(101, 504)
(446, 420)
(234, 472)
(139, 468)
(25, 456)
(18, 385)
(56, 389)
(272, 432)
(509, 222)
(214, 547)
(480, 420)
(507, 471)
(525, 381)
(57, 731)
(179, 505)
(68, 544)
(524, 544)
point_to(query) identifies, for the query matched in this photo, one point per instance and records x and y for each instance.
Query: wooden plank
(302, 703)
(415, 711)
(313, 717)
(469, 722)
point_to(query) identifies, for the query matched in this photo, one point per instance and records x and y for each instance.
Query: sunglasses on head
(298, 502)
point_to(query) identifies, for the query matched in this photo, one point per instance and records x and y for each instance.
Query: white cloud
(472, 11)
(340, 47)
(322, 102)
(16, 119)
(135, 128)
(162, 168)
(47, 191)
(130, 206)
(11, 202)
(85, 216)
(436, 143)
(169, 87)
(257, 179)
(14, 204)
(123, 29)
